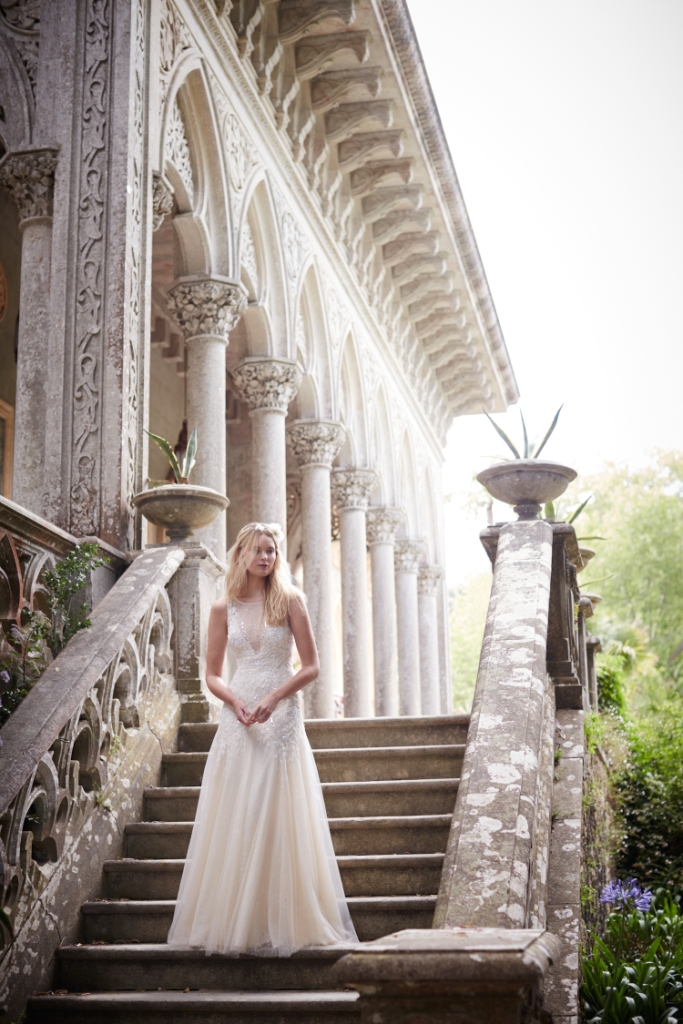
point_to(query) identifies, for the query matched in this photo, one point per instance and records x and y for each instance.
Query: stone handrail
(104, 710)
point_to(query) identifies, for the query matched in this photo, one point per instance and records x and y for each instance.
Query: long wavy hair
(279, 589)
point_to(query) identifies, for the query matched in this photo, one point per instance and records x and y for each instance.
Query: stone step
(412, 834)
(342, 799)
(117, 921)
(349, 764)
(393, 875)
(324, 733)
(195, 1007)
(113, 968)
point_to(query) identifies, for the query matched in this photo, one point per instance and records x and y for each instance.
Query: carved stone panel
(29, 177)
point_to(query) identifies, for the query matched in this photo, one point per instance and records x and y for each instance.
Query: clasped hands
(261, 712)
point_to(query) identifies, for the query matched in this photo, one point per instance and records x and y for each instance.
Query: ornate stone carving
(206, 305)
(267, 383)
(177, 150)
(351, 488)
(332, 86)
(417, 265)
(21, 21)
(428, 579)
(174, 38)
(294, 243)
(383, 522)
(295, 17)
(359, 147)
(410, 244)
(315, 442)
(429, 283)
(313, 52)
(344, 119)
(29, 177)
(364, 179)
(407, 555)
(384, 199)
(162, 200)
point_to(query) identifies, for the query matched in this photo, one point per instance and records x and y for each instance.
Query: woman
(260, 875)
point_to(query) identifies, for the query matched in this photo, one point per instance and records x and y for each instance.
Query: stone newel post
(352, 489)
(316, 445)
(428, 580)
(28, 176)
(207, 309)
(268, 386)
(382, 526)
(407, 555)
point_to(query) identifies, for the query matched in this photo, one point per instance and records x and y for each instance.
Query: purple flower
(4, 677)
(627, 895)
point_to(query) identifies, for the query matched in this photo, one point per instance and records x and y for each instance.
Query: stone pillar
(268, 386)
(207, 309)
(407, 555)
(382, 524)
(28, 176)
(352, 489)
(428, 582)
(445, 679)
(316, 445)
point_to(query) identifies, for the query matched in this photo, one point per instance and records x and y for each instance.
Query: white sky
(565, 121)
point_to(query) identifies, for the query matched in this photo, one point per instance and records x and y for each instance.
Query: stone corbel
(331, 87)
(389, 227)
(427, 283)
(29, 177)
(416, 266)
(385, 199)
(314, 52)
(344, 119)
(430, 303)
(296, 17)
(162, 200)
(364, 179)
(409, 244)
(357, 149)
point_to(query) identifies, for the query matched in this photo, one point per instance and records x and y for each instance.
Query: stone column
(316, 445)
(268, 386)
(407, 555)
(428, 581)
(207, 309)
(352, 489)
(382, 524)
(28, 176)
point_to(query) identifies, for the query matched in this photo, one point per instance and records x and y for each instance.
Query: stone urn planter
(527, 484)
(586, 555)
(180, 508)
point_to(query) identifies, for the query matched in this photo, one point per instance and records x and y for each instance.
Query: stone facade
(243, 216)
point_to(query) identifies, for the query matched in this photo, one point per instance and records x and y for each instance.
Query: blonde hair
(279, 589)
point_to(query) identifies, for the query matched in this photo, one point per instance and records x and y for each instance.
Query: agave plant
(529, 453)
(181, 470)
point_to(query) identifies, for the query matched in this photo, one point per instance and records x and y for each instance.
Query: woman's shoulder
(297, 601)
(220, 607)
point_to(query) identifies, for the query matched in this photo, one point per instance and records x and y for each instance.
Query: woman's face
(263, 556)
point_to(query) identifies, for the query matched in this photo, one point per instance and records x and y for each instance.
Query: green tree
(468, 606)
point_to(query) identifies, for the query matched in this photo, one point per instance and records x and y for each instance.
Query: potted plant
(180, 507)
(526, 482)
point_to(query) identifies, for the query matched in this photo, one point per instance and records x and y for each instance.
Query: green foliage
(25, 649)
(594, 731)
(529, 452)
(468, 607)
(611, 667)
(635, 976)
(181, 470)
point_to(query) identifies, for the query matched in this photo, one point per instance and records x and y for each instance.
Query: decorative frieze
(408, 554)
(267, 383)
(316, 442)
(428, 579)
(29, 177)
(351, 488)
(206, 305)
(162, 200)
(383, 523)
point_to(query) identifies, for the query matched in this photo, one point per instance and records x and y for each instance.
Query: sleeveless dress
(260, 876)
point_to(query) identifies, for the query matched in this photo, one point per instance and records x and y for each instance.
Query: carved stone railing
(508, 904)
(75, 758)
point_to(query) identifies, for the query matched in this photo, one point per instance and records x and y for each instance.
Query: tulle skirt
(261, 875)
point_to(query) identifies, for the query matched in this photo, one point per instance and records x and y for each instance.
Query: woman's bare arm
(215, 656)
(310, 666)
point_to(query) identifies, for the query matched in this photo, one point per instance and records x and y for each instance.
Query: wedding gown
(261, 875)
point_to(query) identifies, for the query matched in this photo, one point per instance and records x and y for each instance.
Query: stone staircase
(389, 788)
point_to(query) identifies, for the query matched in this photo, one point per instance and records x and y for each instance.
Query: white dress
(261, 875)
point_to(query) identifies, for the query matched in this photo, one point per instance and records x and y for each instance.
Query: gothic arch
(16, 99)
(264, 325)
(408, 487)
(383, 451)
(311, 346)
(351, 406)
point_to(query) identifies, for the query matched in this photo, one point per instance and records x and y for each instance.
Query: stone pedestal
(197, 584)
(407, 555)
(428, 583)
(316, 445)
(28, 176)
(207, 309)
(382, 524)
(352, 489)
(268, 386)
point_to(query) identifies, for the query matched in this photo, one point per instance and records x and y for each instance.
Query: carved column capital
(162, 200)
(383, 522)
(206, 306)
(29, 177)
(266, 383)
(315, 442)
(407, 555)
(428, 579)
(352, 487)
